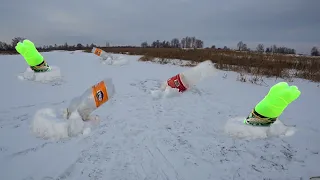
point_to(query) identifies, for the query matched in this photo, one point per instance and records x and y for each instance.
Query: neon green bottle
(34, 59)
(273, 104)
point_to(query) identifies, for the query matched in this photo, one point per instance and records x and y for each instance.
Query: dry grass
(257, 64)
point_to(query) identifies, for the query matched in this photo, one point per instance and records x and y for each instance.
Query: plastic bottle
(101, 53)
(29, 52)
(92, 99)
(191, 77)
(273, 104)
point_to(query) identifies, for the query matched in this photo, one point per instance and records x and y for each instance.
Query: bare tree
(198, 43)
(260, 48)
(274, 49)
(183, 43)
(144, 44)
(315, 51)
(193, 42)
(79, 46)
(16, 40)
(240, 46)
(2, 44)
(188, 42)
(175, 43)
(244, 47)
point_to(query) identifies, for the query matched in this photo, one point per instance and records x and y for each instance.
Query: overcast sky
(294, 23)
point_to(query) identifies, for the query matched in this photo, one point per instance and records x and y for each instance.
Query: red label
(175, 82)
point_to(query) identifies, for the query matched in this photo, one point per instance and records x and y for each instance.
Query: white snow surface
(144, 134)
(53, 75)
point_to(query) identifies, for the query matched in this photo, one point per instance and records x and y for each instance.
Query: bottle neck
(257, 119)
(42, 67)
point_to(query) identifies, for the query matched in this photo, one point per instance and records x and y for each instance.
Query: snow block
(53, 75)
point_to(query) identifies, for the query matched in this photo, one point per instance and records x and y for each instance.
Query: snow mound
(168, 92)
(236, 128)
(43, 77)
(114, 60)
(48, 124)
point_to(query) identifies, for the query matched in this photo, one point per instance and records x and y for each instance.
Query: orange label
(98, 52)
(100, 93)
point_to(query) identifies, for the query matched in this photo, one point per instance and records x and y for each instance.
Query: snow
(53, 75)
(142, 133)
(48, 125)
(114, 59)
(236, 128)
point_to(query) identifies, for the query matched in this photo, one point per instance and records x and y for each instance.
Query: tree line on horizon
(186, 42)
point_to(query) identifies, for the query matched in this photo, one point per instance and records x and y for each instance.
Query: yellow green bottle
(273, 104)
(31, 55)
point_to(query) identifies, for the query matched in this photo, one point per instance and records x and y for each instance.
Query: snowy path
(140, 137)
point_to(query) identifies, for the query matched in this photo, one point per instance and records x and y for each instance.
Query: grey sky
(294, 23)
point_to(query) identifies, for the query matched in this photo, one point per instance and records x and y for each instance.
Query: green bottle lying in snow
(34, 59)
(273, 104)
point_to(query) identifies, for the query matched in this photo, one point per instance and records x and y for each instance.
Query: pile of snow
(114, 60)
(237, 129)
(48, 124)
(53, 75)
(168, 92)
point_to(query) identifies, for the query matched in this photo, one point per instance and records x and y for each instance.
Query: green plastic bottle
(28, 50)
(275, 102)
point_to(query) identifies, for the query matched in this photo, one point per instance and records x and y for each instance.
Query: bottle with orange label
(101, 53)
(183, 81)
(91, 99)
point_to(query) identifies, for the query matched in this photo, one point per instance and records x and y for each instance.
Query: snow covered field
(194, 136)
